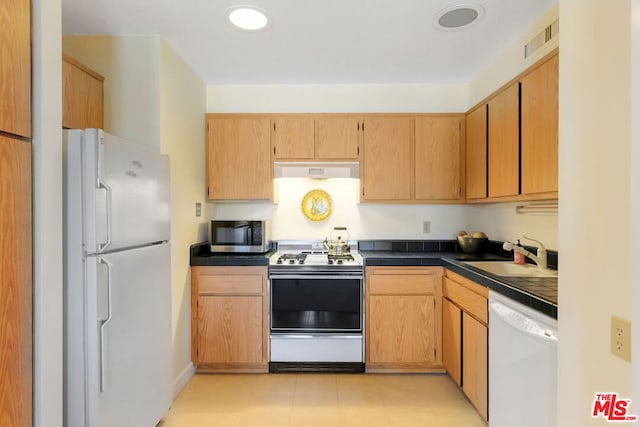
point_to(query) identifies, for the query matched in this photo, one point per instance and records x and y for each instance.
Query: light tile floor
(306, 400)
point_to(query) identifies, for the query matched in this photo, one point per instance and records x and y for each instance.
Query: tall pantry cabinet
(16, 286)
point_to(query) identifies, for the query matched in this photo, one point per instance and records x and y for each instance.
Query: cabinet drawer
(402, 284)
(229, 285)
(469, 301)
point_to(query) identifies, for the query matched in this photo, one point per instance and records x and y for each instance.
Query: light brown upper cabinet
(386, 173)
(338, 138)
(512, 138)
(539, 129)
(476, 153)
(15, 67)
(239, 158)
(438, 158)
(316, 137)
(504, 152)
(293, 138)
(82, 96)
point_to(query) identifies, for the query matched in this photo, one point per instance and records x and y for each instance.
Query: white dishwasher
(522, 365)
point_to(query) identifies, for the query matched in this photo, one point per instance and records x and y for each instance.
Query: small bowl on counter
(469, 244)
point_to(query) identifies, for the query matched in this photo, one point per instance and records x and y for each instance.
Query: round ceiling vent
(458, 17)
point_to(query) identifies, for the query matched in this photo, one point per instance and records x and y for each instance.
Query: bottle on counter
(518, 258)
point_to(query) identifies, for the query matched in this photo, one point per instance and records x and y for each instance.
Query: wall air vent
(541, 38)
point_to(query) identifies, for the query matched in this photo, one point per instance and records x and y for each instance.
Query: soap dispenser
(518, 258)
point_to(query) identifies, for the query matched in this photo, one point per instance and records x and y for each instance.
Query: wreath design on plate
(316, 205)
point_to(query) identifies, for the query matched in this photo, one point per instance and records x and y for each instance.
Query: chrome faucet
(541, 256)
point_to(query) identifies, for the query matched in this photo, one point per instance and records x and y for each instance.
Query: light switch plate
(198, 209)
(621, 338)
(426, 227)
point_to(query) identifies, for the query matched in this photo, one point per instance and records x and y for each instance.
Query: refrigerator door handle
(105, 186)
(103, 324)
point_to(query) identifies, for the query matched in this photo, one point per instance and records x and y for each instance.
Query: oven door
(316, 304)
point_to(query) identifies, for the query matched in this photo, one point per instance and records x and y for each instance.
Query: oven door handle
(318, 277)
(311, 336)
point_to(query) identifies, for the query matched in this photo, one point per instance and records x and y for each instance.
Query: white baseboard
(183, 379)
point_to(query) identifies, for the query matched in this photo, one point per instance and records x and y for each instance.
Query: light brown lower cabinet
(465, 337)
(229, 324)
(452, 339)
(474, 363)
(403, 326)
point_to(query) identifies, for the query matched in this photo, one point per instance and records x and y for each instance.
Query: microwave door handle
(249, 236)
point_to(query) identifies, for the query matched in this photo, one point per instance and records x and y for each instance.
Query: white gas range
(316, 309)
(312, 256)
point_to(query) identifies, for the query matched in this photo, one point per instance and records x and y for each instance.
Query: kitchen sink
(509, 269)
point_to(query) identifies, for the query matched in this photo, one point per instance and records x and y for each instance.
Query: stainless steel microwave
(240, 236)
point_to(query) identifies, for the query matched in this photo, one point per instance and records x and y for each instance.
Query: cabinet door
(16, 287)
(82, 96)
(239, 159)
(401, 329)
(451, 339)
(387, 159)
(503, 143)
(293, 138)
(338, 138)
(474, 363)
(540, 129)
(15, 67)
(476, 156)
(230, 330)
(437, 158)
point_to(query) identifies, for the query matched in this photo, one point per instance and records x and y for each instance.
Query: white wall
(47, 213)
(131, 66)
(511, 61)
(153, 97)
(501, 222)
(635, 189)
(182, 106)
(595, 224)
(336, 98)
(364, 221)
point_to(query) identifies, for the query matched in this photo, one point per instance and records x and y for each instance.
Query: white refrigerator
(117, 282)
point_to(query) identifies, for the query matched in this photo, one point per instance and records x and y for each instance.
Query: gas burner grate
(343, 257)
(292, 258)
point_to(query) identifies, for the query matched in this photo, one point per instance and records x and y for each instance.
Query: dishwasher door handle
(523, 323)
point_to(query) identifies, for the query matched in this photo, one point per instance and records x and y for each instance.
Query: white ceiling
(315, 41)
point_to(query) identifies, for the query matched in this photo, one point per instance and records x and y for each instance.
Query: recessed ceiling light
(458, 17)
(248, 18)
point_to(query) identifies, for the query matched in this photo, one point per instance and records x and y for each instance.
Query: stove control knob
(279, 261)
(301, 261)
(292, 261)
(340, 262)
(330, 262)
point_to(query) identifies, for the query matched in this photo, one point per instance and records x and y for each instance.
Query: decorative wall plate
(316, 205)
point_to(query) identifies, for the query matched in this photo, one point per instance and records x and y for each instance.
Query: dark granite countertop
(200, 256)
(538, 293)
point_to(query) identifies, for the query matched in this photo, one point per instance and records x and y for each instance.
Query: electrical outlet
(426, 227)
(621, 338)
(198, 209)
